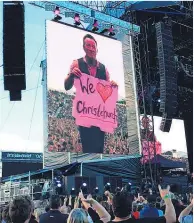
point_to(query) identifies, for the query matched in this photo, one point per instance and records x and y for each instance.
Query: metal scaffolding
(88, 12)
(146, 122)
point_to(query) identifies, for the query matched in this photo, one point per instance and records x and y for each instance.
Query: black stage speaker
(167, 71)
(188, 123)
(165, 123)
(77, 182)
(114, 182)
(14, 49)
(92, 183)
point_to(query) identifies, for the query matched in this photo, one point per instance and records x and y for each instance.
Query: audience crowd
(123, 206)
(63, 132)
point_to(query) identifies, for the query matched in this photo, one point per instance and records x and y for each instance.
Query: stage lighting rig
(84, 188)
(127, 187)
(77, 21)
(58, 182)
(96, 190)
(95, 26)
(107, 187)
(73, 192)
(110, 31)
(59, 186)
(57, 12)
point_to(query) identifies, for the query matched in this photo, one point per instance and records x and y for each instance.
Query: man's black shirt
(53, 216)
(142, 220)
(33, 219)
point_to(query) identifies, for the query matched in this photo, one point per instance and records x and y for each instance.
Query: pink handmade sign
(95, 103)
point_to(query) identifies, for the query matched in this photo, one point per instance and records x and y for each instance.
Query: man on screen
(92, 139)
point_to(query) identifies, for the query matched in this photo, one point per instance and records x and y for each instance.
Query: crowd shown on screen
(124, 207)
(64, 135)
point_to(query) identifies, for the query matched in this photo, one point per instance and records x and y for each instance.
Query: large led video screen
(86, 93)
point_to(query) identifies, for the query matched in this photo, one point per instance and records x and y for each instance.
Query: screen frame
(69, 157)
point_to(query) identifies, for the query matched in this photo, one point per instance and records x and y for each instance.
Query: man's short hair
(31, 203)
(19, 210)
(47, 208)
(89, 37)
(54, 202)
(122, 204)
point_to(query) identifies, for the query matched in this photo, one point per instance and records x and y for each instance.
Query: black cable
(8, 116)
(26, 90)
(36, 58)
(35, 100)
(34, 106)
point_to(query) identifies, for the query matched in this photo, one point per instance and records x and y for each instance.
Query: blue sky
(15, 117)
(18, 122)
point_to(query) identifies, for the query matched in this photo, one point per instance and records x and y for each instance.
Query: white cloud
(175, 139)
(13, 142)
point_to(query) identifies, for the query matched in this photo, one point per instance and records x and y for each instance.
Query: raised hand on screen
(114, 84)
(76, 72)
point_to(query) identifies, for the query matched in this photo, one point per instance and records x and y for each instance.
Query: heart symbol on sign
(104, 91)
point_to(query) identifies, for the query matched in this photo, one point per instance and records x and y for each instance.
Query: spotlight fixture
(107, 187)
(84, 188)
(59, 185)
(111, 31)
(95, 26)
(96, 190)
(57, 12)
(77, 21)
(127, 187)
(73, 193)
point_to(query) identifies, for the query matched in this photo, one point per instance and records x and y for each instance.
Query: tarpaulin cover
(167, 163)
(127, 168)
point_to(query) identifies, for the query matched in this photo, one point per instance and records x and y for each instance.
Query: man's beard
(91, 60)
